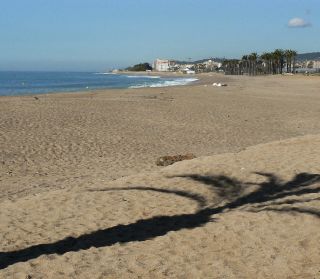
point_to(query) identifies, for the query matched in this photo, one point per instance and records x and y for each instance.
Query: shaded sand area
(253, 214)
(248, 207)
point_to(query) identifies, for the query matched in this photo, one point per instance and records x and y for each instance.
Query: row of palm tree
(266, 63)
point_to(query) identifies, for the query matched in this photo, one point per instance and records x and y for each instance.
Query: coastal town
(166, 65)
(276, 62)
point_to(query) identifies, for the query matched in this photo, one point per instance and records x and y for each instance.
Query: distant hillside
(300, 57)
(200, 61)
(309, 56)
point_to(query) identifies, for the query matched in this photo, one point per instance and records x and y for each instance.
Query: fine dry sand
(81, 196)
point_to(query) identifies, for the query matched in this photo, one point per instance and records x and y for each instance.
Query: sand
(82, 197)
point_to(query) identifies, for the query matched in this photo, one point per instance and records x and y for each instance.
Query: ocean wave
(104, 73)
(166, 83)
(155, 77)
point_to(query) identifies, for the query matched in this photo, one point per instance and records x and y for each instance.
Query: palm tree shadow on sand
(271, 195)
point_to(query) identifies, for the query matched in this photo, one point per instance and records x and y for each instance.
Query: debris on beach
(219, 84)
(169, 160)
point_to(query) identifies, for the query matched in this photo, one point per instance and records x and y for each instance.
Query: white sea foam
(139, 86)
(104, 73)
(166, 83)
(143, 77)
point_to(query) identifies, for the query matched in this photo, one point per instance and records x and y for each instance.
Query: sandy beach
(82, 197)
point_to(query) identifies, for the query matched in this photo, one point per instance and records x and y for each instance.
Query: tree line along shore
(275, 62)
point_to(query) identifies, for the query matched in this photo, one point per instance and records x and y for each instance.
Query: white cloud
(297, 22)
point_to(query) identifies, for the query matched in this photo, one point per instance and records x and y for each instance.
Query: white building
(212, 64)
(161, 65)
(316, 64)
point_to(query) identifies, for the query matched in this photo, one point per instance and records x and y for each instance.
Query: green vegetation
(266, 63)
(142, 67)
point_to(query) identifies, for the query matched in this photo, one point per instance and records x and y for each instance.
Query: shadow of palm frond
(265, 196)
(223, 187)
(273, 191)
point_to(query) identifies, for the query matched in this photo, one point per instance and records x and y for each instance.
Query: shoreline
(205, 79)
(87, 90)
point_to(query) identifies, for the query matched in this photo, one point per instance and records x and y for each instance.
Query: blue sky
(103, 34)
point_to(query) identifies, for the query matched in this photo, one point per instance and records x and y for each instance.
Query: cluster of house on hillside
(231, 66)
(310, 64)
(166, 65)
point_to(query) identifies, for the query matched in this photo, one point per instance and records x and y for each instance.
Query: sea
(29, 83)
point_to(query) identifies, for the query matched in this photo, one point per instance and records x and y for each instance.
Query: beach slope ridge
(249, 214)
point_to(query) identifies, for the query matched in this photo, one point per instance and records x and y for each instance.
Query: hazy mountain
(309, 56)
(300, 57)
(200, 61)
